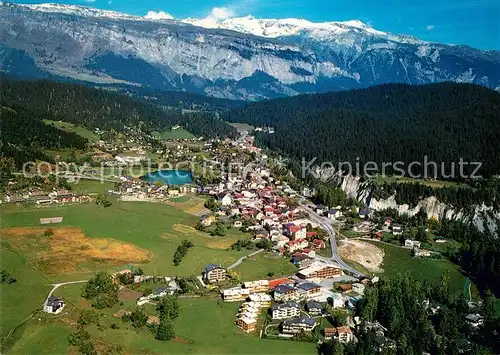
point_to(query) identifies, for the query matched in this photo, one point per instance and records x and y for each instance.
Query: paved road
(56, 286)
(325, 223)
(239, 261)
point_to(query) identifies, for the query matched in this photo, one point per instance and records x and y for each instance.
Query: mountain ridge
(226, 60)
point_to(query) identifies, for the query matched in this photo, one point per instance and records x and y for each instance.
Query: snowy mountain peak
(254, 59)
(78, 10)
(87, 11)
(273, 28)
(160, 15)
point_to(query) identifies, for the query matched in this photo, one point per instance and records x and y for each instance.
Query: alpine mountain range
(237, 58)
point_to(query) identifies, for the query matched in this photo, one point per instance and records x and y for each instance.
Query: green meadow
(70, 127)
(399, 260)
(259, 266)
(204, 326)
(157, 228)
(19, 299)
(47, 339)
(179, 133)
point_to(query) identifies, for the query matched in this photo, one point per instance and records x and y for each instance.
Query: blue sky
(472, 22)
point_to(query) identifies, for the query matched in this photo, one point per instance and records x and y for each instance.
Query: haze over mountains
(238, 58)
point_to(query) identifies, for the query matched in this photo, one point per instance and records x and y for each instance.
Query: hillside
(104, 109)
(31, 111)
(23, 136)
(386, 123)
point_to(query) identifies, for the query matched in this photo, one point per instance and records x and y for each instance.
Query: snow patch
(160, 15)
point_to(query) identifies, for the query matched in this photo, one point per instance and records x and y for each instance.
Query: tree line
(25, 135)
(181, 251)
(386, 123)
(485, 191)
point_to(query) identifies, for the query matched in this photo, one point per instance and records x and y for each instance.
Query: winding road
(240, 260)
(325, 223)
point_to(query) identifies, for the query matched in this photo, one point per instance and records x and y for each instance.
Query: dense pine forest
(386, 123)
(103, 109)
(25, 104)
(23, 135)
(183, 100)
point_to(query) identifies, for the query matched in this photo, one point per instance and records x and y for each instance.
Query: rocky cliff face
(243, 58)
(482, 216)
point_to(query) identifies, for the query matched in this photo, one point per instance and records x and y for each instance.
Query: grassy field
(203, 327)
(18, 300)
(180, 133)
(66, 153)
(327, 252)
(43, 339)
(157, 228)
(258, 267)
(112, 171)
(399, 260)
(92, 186)
(70, 127)
(242, 127)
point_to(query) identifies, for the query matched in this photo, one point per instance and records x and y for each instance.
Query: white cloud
(158, 15)
(429, 27)
(220, 13)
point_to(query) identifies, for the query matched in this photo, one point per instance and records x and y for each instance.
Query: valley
(236, 184)
(239, 58)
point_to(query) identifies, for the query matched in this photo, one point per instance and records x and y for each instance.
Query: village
(316, 303)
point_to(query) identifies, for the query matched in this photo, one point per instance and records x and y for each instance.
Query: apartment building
(320, 270)
(297, 325)
(214, 273)
(257, 286)
(235, 294)
(285, 292)
(285, 310)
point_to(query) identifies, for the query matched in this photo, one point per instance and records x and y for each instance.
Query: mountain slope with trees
(24, 105)
(23, 135)
(97, 108)
(386, 123)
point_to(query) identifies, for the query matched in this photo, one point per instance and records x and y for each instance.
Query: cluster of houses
(294, 306)
(255, 202)
(418, 252)
(169, 289)
(295, 303)
(40, 197)
(144, 190)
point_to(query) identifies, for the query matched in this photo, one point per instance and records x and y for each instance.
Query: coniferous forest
(386, 123)
(25, 104)
(101, 108)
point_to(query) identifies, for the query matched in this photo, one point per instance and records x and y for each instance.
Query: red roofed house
(274, 283)
(309, 235)
(318, 243)
(297, 232)
(298, 244)
(377, 235)
(310, 253)
(341, 334)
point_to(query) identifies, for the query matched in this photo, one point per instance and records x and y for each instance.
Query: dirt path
(367, 255)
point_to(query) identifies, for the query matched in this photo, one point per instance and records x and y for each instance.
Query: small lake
(170, 177)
